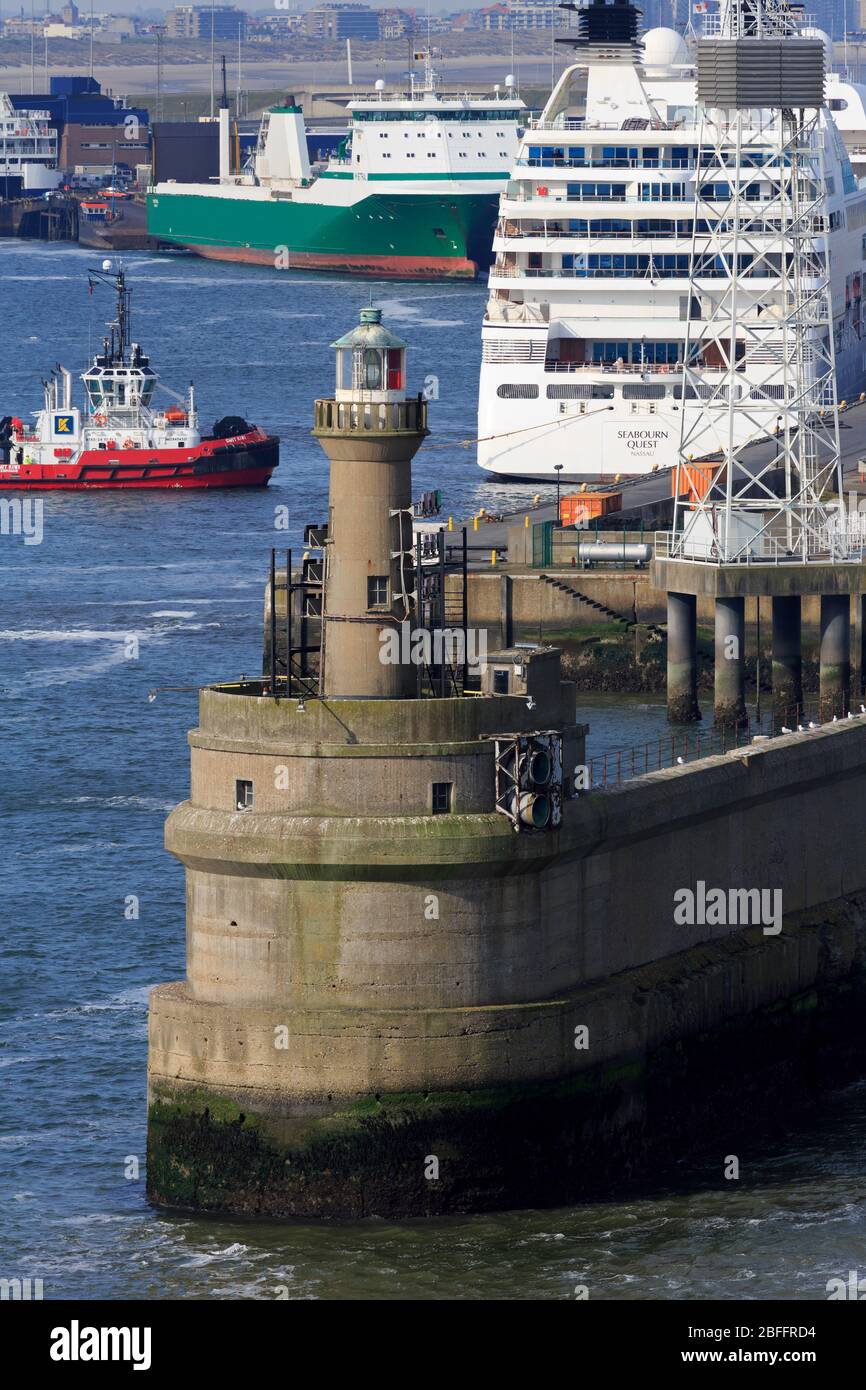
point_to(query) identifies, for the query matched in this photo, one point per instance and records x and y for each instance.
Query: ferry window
(441, 798)
(377, 591)
(243, 795)
(571, 391)
(500, 682)
(518, 391)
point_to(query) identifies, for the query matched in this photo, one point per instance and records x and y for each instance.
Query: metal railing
(676, 749)
(392, 417)
(644, 369)
(842, 547)
(523, 272)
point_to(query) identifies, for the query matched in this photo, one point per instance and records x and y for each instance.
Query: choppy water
(91, 767)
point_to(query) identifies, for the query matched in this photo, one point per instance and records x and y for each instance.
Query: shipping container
(696, 478)
(579, 507)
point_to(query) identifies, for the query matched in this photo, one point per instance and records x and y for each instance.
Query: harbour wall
(520, 606)
(456, 1035)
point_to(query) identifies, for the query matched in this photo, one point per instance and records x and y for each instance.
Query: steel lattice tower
(759, 295)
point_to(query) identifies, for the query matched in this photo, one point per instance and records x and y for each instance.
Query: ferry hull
(396, 268)
(243, 464)
(401, 236)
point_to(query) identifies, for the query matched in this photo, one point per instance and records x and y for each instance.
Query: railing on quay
(676, 749)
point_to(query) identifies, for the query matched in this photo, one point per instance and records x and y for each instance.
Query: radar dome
(665, 48)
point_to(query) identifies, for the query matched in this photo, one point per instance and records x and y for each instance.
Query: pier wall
(415, 1031)
(520, 606)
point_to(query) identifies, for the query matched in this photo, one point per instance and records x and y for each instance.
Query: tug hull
(244, 461)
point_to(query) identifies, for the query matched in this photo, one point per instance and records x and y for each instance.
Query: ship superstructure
(412, 192)
(593, 302)
(28, 151)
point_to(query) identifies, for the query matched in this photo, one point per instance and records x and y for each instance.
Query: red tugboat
(120, 440)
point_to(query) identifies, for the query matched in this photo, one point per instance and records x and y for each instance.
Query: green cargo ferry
(412, 193)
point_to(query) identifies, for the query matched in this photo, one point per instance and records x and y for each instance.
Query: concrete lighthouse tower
(378, 930)
(370, 432)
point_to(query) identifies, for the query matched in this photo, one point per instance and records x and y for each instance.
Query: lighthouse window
(377, 591)
(243, 795)
(441, 798)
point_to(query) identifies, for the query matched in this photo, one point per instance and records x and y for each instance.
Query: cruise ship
(412, 193)
(28, 152)
(587, 323)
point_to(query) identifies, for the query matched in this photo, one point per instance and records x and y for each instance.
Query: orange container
(696, 478)
(578, 507)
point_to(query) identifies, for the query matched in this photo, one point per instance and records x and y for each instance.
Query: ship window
(571, 391)
(517, 391)
(440, 800)
(243, 795)
(377, 591)
(642, 393)
(500, 682)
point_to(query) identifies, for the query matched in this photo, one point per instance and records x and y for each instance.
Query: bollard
(450, 523)
(493, 557)
(526, 521)
(475, 523)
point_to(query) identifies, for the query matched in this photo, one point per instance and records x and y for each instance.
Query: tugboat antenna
(122, 323)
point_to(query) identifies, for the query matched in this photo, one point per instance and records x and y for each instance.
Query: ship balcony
(604, 163)
(640, 275)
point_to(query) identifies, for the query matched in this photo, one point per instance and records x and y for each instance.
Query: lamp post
(557, 468)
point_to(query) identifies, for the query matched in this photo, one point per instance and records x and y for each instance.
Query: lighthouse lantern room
(371, 361)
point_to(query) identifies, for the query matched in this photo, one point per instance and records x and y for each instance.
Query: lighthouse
(378, 936)
(370, 430)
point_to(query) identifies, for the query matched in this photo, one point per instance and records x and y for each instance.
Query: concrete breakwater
(452, 1044)
(428, 970)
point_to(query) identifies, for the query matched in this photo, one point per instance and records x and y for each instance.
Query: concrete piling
(682, 659)
(730, 684)
(787, 659)
(835, 676)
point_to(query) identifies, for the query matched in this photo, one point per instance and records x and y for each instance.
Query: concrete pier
(835, 675)
(682, 659)
(730, 682)
(787, 659)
